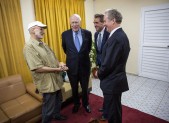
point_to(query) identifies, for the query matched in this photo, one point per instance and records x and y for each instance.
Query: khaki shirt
(37, 55)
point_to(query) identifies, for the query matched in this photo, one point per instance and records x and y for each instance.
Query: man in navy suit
(112, 71)
(76, 43)
(101, 34)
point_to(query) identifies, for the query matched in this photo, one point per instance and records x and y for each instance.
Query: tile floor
(147, 95)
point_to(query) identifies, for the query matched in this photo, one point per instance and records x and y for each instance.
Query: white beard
(38, 34)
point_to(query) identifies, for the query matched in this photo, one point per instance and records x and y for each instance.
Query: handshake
(63, 67)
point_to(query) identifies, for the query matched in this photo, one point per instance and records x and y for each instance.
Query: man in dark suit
(112, 71)
(76, 44)
(101, 35)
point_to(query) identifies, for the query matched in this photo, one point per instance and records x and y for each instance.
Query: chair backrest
(11, 87)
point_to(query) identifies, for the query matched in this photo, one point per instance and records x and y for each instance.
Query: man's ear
(114, 20)
(31, 30)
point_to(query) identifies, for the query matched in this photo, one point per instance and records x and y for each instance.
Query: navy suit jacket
(77, 60)
(98, 53)
(114, 57)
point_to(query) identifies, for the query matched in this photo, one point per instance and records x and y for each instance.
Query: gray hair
(114, 14)
(76, 15)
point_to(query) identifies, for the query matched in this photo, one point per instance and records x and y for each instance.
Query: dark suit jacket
(98, 53)
(114, 57)
(77, 60)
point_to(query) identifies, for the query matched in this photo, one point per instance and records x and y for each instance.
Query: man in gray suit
(76, 43)
(112, 71)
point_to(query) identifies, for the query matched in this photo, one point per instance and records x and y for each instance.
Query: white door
(154, 50)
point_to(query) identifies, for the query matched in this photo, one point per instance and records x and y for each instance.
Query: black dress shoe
(60, 117)
(87, 108)
(75, 109)
(100, 110)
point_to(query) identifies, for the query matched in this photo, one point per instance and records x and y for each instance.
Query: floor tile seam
(133, 79)
(160, 102)
(146, 96)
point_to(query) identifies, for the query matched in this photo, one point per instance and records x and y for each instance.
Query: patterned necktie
(99, 42)
(77, 43)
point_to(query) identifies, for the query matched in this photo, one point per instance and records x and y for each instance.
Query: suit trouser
(105, 109)
(74, 82)
(51, 106)
(105, 114)
(114, 107)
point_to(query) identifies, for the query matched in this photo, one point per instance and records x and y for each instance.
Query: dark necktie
(99, 43)
(77, 43)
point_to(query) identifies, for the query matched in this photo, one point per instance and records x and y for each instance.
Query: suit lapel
(71, 41)
(83, 39)
(114, 34)
(110, 39)
(104, 37)
(96, 40)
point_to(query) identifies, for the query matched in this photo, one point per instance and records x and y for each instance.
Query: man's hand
(96, 75)
(63, 66)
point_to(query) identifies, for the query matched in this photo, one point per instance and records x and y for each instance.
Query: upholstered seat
(15, 103)
(20, 104)
(3, 117)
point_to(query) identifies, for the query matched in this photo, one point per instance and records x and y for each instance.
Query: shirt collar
(113, 31)
(36, 42)
(79, 32)
(101, 32)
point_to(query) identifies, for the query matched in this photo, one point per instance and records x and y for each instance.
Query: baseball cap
(36, 23)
